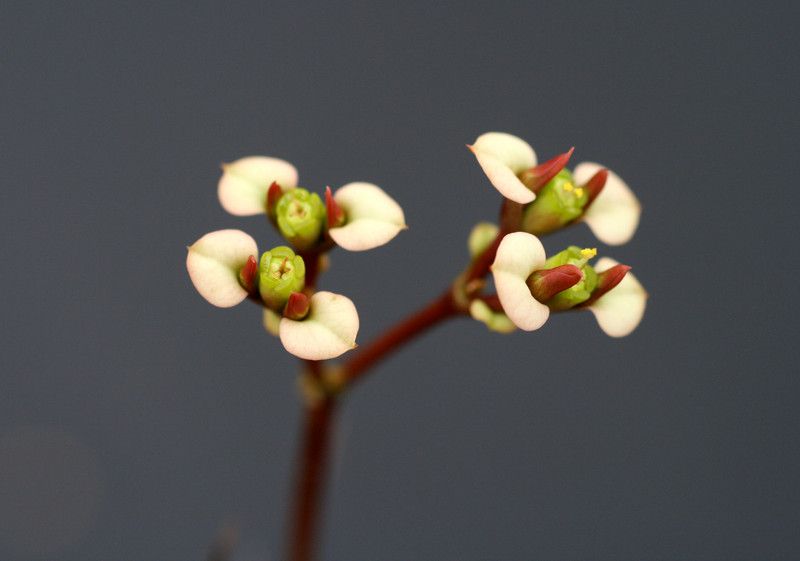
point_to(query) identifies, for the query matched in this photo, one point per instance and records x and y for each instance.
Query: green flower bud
(481, 237)
(300, 216)
(495, 321)
(557, 204)
(281, 272)
(580, 291)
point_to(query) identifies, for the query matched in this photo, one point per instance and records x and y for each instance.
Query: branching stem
(320, 411)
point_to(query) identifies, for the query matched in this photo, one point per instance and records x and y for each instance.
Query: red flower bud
(333, 210)
(274, 193)
(594, 186)
(546, 283)
(606, 280)
(248, 274)
(297, 306)
(536, 178)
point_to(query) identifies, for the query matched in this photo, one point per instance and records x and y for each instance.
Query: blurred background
(137, 421)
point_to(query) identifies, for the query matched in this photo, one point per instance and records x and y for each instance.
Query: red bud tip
(333, 210)
(274, 193)
(537, 177)
(297, 306)
(547, 283)
(595, 185)
(247, 276)
(606, 280)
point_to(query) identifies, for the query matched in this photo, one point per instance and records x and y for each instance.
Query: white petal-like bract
(214, 262)
(372, 217)
(621, 309)
(328, 331)
(518, 256)
(614, 215)
(243, 187)
(503, 157)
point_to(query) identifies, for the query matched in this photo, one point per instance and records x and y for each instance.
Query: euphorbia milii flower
(521, 276)
(509, 162)
(362, 216)
(359, 215)
(219, 261)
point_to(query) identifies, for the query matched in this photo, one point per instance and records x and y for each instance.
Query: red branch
(310, 482)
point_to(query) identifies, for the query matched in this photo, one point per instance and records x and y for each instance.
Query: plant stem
(391, 340)
(320, 411)
(310, 483)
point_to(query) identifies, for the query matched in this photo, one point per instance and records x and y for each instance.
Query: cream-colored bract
(614, 215)
(519, 255)
(372, 217)
(243, 187)
(503, 157)
(620, 310)
(214, 262)
(272, 322)
(328, 331)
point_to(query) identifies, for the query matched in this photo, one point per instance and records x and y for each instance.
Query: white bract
(503, 157)
(328, 331)
(372, 217)
(614, 215)
(519, 255)
(621, 309)
(244, 184)
(214, 262)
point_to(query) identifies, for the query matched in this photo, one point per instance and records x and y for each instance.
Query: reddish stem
(309, 487)
(365, 357)
(310, 483)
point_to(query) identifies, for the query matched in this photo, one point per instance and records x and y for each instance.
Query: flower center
(582, 290)
(569, 188)
(300, 216)
(282, 272)
(280, 269)
(298, 209)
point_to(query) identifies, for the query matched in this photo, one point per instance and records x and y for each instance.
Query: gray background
(137, 421)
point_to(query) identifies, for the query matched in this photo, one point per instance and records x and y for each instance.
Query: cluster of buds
(549, 197)
(225, 269)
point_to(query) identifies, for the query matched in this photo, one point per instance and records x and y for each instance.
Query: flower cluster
(225, 269)
(539, 199)
(542, 199)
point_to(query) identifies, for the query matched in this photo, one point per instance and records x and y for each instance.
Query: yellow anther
(579, 192)
(588, 253)
(568, 187)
